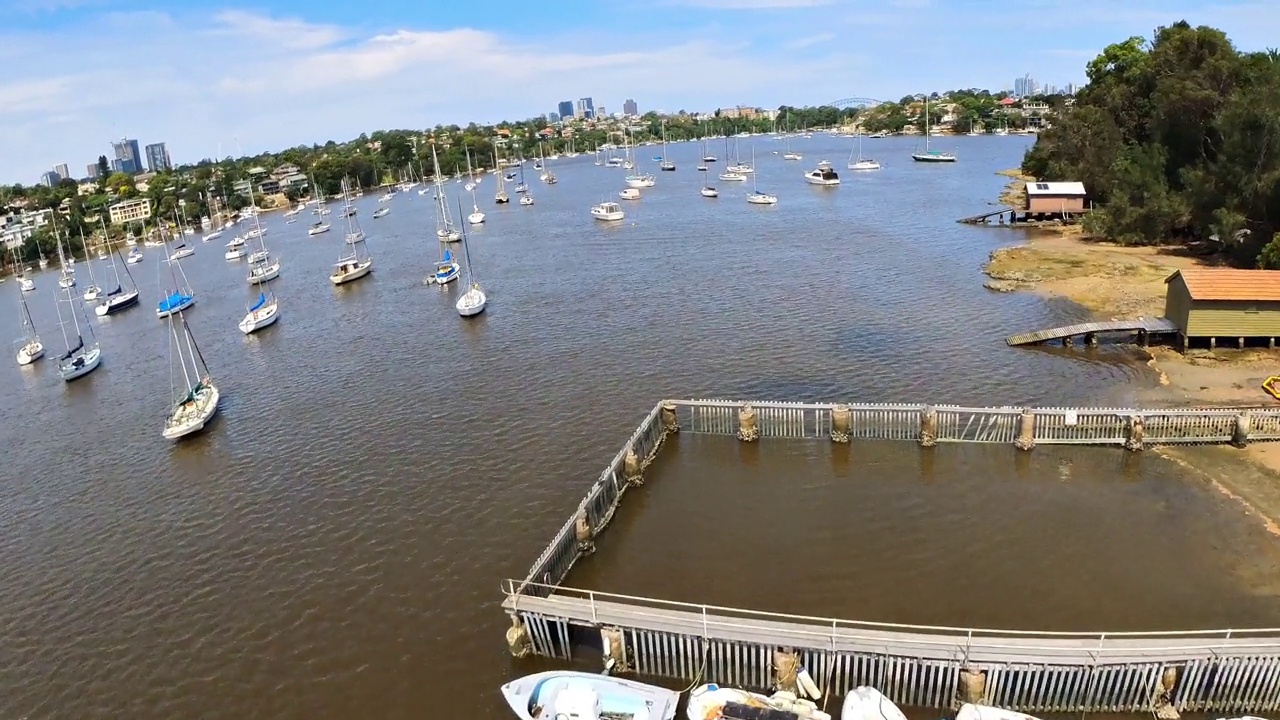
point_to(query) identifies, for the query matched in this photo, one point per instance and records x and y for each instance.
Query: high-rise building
(63, 171)
(91, 171)
(565, 109)
(128, 157)
(1024, 86)
(157, 157)
(585, 109)
(50, 179)
(630, 108)
(600, 112)
(553, 117)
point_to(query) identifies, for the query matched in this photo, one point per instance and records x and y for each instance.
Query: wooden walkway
(1142, 326)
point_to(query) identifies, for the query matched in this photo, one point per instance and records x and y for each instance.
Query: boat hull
(762, 199)
(867, 703)
(79, 367)
(821, 183)
(263, 274)
(182, 423)
(260, 318)
(864, 165)
(166, 312)
(926, 158)
(971, 711)
(710, 192)
(30, 352)
(475, 218)
(608, 217)
(342, 277)
(117, 303)
(617, 696)
(91, 293)
(472, 303)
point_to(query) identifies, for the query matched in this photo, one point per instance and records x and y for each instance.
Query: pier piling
(972, 685)
(747, 429)
(631, 468)
(840, 423)
(518, 641)
(1026, 430)
(1240, 434)
(582, 534)
(928, 427)
(786, 670)
(670, 421)
(1135, 441)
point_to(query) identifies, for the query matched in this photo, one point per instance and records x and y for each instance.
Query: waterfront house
(1209, 304)
(1058, 199)
(130, 211)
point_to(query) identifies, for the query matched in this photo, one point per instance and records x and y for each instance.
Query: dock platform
(1143, 327)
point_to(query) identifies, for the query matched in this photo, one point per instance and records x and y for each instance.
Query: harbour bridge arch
(856, 102)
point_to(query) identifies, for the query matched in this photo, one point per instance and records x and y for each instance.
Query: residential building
(91, 171)
(1055, 198)
(63, 171)
(283, 171)
(586, 109)
(297, 181)
(158, 158)
(50, 179)
(1208, 304)
(128, 158)
(15, 228)
(86, 189)
(129, 211)
(565, 109)
(629, 107)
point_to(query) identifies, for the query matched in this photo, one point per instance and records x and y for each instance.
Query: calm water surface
(332, 547)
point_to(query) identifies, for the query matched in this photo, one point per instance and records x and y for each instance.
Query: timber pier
(1222, 671)
(1143, 328)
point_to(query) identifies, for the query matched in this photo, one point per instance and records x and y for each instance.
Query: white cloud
(810, 41)
(752, 4)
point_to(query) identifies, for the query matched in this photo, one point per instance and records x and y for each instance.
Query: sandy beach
(1114, 281)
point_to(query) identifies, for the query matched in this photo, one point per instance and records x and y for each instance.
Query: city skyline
(206, 76)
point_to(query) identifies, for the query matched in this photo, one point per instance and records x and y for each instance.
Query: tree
(103, 168)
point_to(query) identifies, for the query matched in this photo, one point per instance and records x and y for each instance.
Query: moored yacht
(822, 175)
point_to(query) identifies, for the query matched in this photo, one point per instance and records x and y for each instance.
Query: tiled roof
(1230, 284)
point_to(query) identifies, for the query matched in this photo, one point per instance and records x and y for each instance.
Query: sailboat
(81, 358)
(194, 400)
(66, 275)
(265, 311)
(447, 270)
(501, 196)
(354, 265)
(637, 179)
(521, 187)
(476, 217)
(119, 298)
(665, 164)
(861, 163)
(473, 300)
(261, 266)
(934, 156)
(547, 176)
(180, 295)
(755, 197)
(31, 349)
(707, 190)
(91, 292)
(444, 224)
(789, 155)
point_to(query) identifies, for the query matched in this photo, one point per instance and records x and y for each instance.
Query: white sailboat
(708, 190)
(930, 156)
(665, 164)
(356, 264)
(117, 299)
(500, 197)
(547, 176)
(193, 395)
(789, 155)
(755, 197)
(66, 275)
(476, 217)
(445, 229)
(180, 295)
(861, 163)
(81, 358)
(265, 311)
(31, 349)
(473, 301)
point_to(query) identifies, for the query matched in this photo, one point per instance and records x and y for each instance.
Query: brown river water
(332, 546)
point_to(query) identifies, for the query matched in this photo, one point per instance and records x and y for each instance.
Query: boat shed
(1212, 304)
(1055, 198)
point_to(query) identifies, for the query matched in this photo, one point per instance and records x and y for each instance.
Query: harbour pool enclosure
(1229, 671)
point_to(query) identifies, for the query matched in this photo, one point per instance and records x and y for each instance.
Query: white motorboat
(823, 175)
(67, 281)
(630, 194)
(345, 272)
(386, 197)
(641, 180)
(381, 212)
(971, 711)
(91, 293)
(261, 314)
(792, 156)
(262, 272)
(448, 235)
(867, 703)
(30, 351)
(526, 200)
(712, 701)
(587, 696)
(607, 211)
(234, 253)
(708, 158)
(317, 228)
(259, 256)
(354, 237)
(26, 284)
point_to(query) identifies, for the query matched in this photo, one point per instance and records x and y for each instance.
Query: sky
(217, 77)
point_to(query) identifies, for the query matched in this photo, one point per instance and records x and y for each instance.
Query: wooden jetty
(1226, 671)
(1144, 328)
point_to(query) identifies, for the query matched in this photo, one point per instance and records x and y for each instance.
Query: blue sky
(204, 75)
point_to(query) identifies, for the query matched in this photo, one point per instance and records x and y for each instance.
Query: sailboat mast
(466, 249)
(182, 362)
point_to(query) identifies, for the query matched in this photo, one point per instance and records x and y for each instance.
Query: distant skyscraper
(91, 171)
(600, 112)
(50, 179)
(1024, 86)
(629, 108)
(553, 117)
(585, 109)
(565, 109)
(63, 171)
(128, 157)
(157, 157)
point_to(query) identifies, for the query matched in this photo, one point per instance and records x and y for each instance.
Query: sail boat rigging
(66, 275)
(861, 163)
(195, 401)
(445, 230)
(352, 266)
(81, 358)
(180, 296)
(934, 156)
(666, 164)
(755, 197)
(119, 298)
(500, 197)
(473, 300)
(91, 292)
(476, 217)
(31, 348)
(261, 265)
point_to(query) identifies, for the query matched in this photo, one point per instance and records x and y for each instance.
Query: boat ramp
(1220, 671)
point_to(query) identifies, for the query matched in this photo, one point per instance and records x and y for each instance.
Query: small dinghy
(970, 711)
(587, 696)
(867, 703)
(710, 702)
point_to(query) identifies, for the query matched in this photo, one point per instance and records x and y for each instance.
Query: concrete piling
(631, 468)
(972, 685)
(841, 420)
(611, 642)
(928, 427)
(518, 641)
(1136, 439)
(1244, 424)
(583, 535)
(747, 429)
(786, 668)
(1026, 430)
(670, 422)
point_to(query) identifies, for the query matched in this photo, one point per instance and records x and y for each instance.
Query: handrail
(735, 404)
(959, 632)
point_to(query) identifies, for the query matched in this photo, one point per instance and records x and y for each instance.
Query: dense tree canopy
(1176, 141)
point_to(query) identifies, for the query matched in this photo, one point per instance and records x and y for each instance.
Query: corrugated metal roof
(1230, 284)
(1055, 188)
